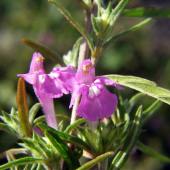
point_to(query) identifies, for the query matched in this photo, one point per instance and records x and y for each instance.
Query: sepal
(129, 142)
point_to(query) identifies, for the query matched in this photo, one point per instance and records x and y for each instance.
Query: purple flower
(96, 102)
(49, 86)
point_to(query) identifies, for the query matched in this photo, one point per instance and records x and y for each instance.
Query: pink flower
(96, 102)
(49, 86)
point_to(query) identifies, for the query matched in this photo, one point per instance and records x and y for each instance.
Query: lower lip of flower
(93, 91)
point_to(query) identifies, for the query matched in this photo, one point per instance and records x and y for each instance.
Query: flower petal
(29, 77)
(103, 104)
(77, 91)
(49, 87)
(69, 69)
(107, 81)
(48, 106)
(86, 72)
(36, 63)
(65, 78)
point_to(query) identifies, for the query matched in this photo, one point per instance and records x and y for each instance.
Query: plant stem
(103, 164)
(84, 48)
(74, 115)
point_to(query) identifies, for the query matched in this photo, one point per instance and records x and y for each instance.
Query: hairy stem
(74, 115)
(84, 48)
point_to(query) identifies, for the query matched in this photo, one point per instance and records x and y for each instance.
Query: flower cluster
(96, 102)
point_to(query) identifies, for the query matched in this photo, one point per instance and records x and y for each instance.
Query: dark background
(144, 53)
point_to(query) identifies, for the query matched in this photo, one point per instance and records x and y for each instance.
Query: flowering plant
(101, 127)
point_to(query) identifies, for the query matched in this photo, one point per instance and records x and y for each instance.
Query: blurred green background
(144, 53)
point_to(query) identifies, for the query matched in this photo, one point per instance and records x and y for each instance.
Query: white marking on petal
(96, 90)
(41, 78)
(97, 81)
(54, 75)
(91, 93)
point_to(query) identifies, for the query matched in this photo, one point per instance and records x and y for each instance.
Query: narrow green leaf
(93, 162)
(95, 138)
(92, 139)
(145, 86)
(151, 110)
(6, 117)
(126, 32)
(64, 151)
(122, 109)
(147, 12)
(23, 109)
(96, 25)
(107, 128)
(7, 129)
(84, 135)
(46, 52)
(43, 119)
(13, 112)
(42, 145)
(33, 112)
(22, 161)
(129, 142)
(39, 167)
(33, 146)
(134, 100)
(117, 11)
(75, 23)
(33, 166)
(72, 126)
(115, 135)
(39, 119)
(151, 152)
(26, 167)
(62, 117)
(68, 138)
